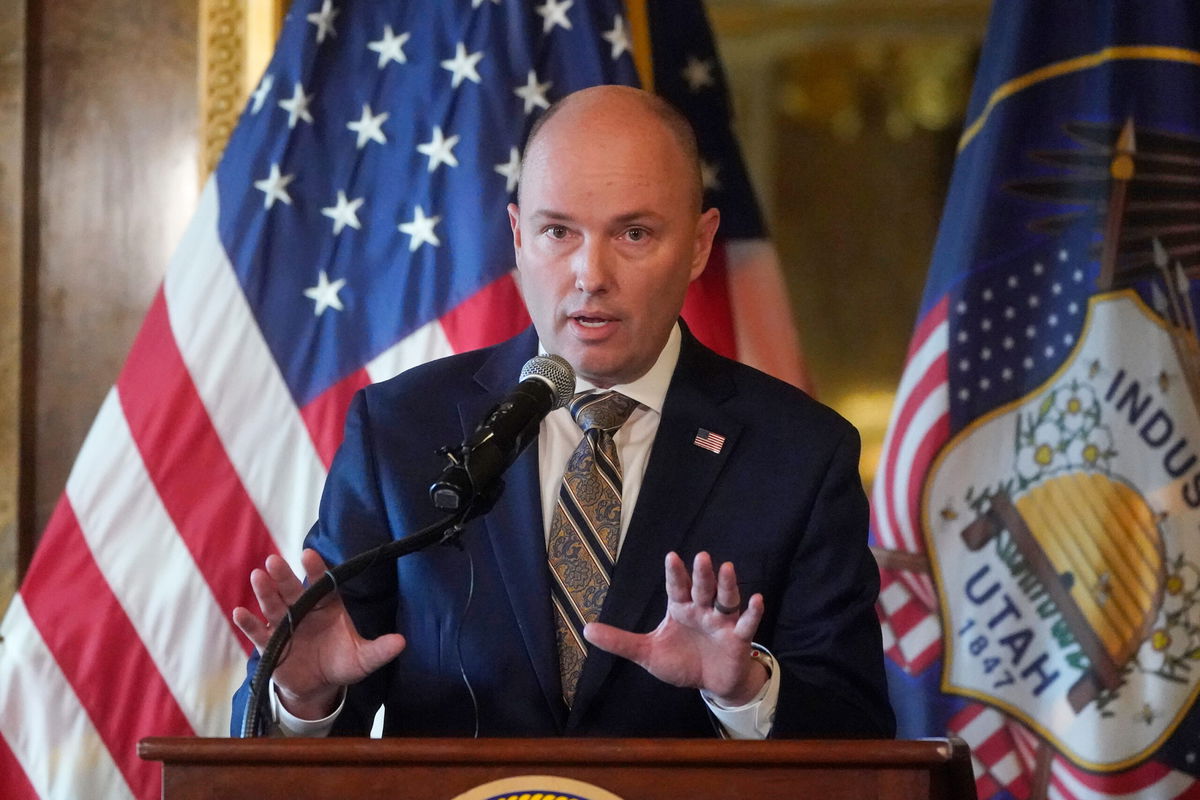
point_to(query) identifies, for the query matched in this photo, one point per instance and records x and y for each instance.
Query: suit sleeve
(826, 637)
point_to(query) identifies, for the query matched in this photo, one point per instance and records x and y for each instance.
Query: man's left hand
(704, 639)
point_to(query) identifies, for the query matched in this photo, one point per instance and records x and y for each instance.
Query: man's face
(607, 239)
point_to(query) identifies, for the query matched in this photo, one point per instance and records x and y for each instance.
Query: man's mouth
(589, 321)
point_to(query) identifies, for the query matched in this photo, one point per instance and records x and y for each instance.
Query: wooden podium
(631, 769)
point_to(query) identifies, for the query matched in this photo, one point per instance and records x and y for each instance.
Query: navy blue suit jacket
(782, 501)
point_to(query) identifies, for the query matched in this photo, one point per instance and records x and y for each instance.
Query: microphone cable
(462, 670)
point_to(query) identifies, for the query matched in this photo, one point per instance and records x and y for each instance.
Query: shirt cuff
(287, 724)
(754, 719)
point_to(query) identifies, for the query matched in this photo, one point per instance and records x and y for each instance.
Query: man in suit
(716, 462)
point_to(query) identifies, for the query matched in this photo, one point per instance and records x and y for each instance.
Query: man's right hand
(325, 652)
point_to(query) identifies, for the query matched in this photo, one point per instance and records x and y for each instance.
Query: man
(709, 457)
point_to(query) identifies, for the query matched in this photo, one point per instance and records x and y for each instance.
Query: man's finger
(704, 582)
(266, 591)
(253, 627)
(679, 584)
(747, 623)
(729, 599)
(290, 587)
(616, 641)
(377, 652)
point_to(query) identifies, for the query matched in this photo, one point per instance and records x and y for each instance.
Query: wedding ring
(724, 609)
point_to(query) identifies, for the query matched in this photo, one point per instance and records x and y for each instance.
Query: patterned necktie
(586, 528)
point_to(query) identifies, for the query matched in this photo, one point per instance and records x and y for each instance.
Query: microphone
(546, 383)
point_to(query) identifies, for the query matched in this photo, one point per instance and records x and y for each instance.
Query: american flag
(710, 441)
(354, 228)
(1018, 256)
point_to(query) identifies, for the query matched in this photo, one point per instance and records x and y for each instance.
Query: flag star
(961, 307)
(390, 47)
(554, 13)
(1031, 332)
(510, 170)
(986, 295)
(708, 176)
(297, 106)
(1056, 288)
(325, 294)
(1034, 301)
(1010, 312)
(964, 394)
(323, 19)
(1012, 281)
(985, 324)
(1008, 343)
(617, 37)
(344, 213)
(964, 365)
(1068, 340)
(260, 94)
(1062, 255)
(1052, 319)
(1077, 275)
(1027, 363)
(368, 127)
(533, 93)
(1049, 350)
(1006, 374)
(421, 230)
(985, 353)
(1038, 269)
(1073, 308)
(963, 336)
(274, 187)
(463, 65)
(698, 73)
(984, 384)
(439, 149)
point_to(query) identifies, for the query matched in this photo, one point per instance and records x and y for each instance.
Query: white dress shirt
(558, 437)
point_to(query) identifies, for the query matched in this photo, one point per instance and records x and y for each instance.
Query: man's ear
(514, 221)
(706, 231)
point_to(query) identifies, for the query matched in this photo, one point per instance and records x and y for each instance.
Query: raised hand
(704, 639)
(325, 652)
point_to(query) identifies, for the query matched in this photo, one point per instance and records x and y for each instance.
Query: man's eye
(557, 231)
(636, 234)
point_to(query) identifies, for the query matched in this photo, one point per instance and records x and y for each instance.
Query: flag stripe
(115, 679)
(166, 417)
(706, 306)
(325, 416)
(489, 316)
(43, 724)
(218, 337)
(424, 344)
(110, 492)
(12, 776)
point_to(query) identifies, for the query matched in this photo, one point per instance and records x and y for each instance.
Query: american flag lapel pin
(713, 442)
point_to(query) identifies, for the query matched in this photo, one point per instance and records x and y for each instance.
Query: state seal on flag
(1062, 533)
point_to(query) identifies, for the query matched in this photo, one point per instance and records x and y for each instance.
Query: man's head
(609, 232)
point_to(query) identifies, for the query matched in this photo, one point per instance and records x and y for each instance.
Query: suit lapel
(515, 528)
(679, 476)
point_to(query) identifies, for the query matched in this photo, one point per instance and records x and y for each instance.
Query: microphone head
(556, 372)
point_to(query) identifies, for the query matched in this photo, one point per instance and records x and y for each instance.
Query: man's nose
(591, 265)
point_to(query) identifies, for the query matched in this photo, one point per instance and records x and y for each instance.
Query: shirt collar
(651, 389)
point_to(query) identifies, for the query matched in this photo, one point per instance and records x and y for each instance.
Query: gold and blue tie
(586, 528)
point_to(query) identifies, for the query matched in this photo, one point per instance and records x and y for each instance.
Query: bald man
(719, 465)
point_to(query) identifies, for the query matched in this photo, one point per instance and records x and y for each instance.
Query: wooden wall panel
(117, 129)
(12, 189)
